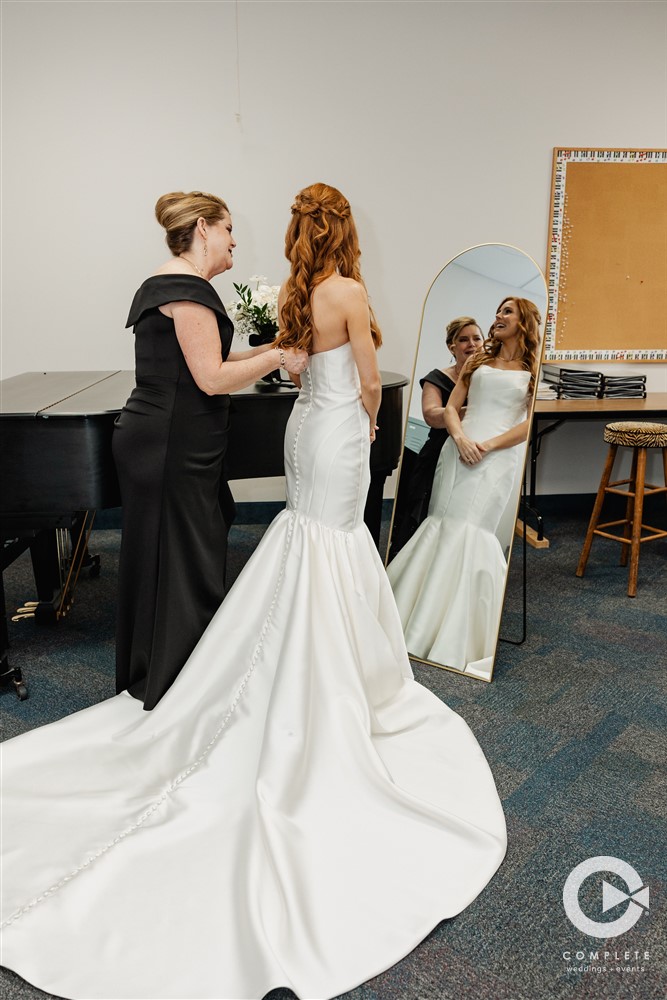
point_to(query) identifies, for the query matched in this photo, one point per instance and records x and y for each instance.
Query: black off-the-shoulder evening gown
(169, 445)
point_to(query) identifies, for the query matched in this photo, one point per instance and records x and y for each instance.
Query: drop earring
(205, 249)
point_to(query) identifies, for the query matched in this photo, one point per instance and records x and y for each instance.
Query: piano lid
(108, 395)
(64, 393)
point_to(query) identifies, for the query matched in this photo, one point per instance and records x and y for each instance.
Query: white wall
(436, 119)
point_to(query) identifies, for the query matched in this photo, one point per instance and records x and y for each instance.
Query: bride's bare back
(341, 314)
(333, 302)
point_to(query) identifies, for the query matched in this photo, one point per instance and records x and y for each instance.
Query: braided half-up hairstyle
(321, 239)
(528, 341)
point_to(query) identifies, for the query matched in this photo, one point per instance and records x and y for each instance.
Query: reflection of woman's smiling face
(468, 340)
(507, 321)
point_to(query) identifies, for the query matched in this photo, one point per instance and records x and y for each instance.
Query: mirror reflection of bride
(463, 337)
(449, 579)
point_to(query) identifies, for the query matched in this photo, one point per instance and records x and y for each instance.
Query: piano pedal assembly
(58, 557)
(27, 611)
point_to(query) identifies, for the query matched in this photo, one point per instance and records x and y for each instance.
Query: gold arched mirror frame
(449, 550)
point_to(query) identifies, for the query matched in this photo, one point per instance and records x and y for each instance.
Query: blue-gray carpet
(573, 727)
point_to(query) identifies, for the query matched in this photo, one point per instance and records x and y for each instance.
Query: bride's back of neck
(329, 304)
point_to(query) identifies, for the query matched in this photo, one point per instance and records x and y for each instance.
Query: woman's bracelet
(281, 355)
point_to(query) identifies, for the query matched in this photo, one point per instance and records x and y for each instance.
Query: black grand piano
(55, 442)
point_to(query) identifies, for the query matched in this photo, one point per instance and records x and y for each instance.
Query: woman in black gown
(464, 337)
(169, 445)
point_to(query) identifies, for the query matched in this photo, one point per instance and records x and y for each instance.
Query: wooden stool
(640, 436)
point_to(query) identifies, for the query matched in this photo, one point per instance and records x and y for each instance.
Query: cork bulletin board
(607, 264)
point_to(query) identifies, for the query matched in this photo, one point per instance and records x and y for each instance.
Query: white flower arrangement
(255, 312)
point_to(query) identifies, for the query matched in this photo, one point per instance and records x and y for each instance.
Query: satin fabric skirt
(449, 580)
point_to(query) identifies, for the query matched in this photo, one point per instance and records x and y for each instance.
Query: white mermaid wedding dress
(297, 811)
(449, 579)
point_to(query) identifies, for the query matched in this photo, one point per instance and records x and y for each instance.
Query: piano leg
(8, 674)
(46, 567)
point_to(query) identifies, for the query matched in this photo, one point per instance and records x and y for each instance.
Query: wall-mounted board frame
(607, 256)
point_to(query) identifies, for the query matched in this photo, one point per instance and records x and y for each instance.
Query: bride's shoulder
(336, 288)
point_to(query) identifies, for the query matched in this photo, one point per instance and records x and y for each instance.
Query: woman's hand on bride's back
(296, 360)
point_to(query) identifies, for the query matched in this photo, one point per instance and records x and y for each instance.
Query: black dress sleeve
(163, 288)
(439, 380)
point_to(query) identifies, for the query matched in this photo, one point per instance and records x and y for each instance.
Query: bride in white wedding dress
(449, 580)
(296, 811)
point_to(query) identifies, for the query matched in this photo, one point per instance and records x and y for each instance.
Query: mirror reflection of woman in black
(464, 337)
(449, 580)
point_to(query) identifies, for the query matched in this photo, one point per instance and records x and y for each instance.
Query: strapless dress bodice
(332, 372)
(327, 443)
(497, 400)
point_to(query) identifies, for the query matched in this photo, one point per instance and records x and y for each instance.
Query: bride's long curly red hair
(321, 239)
(528, 341)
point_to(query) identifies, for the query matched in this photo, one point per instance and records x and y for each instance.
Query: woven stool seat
(636, 434)
(640, 435)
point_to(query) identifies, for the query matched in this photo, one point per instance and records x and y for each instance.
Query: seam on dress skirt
(173, 785)
(307, 519)
(362, 443)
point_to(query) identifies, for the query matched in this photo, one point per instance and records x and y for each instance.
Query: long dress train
(449, 580)
(296, 811)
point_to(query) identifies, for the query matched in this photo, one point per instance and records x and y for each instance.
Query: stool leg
(629, 509)
(595, 516)
(637, 522)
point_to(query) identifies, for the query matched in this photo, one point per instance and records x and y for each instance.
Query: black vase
(266, 336)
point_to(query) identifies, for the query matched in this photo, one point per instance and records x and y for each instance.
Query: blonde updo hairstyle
(320, 240)
(456, 325)
(178, 212)
(528, 342)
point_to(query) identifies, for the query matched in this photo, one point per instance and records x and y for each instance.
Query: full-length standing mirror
(461, 469)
